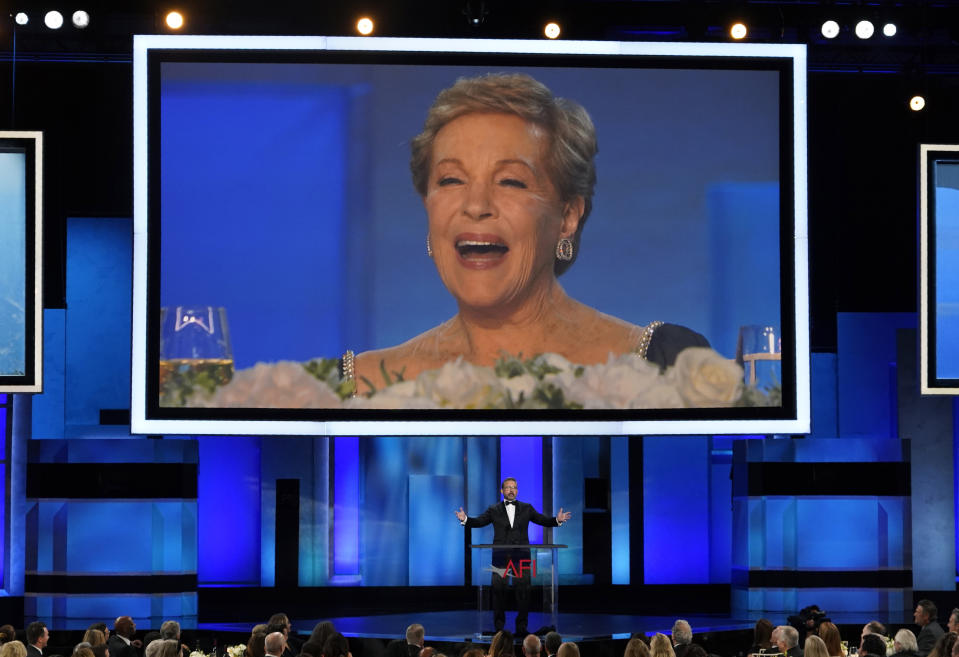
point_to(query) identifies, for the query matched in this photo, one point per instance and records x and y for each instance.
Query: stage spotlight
(865, 29)
(21, 18)
(917, 103)
(365, 26)
(889, 29)
(552, 30)
(174, 20)
(830, 29)
(53, 20)
(738, 31)
(81, 19)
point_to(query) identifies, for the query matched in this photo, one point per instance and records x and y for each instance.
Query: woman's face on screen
(494, 214)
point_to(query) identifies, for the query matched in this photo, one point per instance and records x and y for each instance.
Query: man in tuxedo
(788, 641)
(415, 638)
(511, 520)
(682, 637)
(37, 637)
(926, 616)
(532, 646)
(553, 642)
(121, 642)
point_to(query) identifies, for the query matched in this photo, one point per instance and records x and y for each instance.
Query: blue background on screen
(287, 199)
(13, 208)
(947, 280)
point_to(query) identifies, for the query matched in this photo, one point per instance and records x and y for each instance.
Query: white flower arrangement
(236, 651)
(700, 378)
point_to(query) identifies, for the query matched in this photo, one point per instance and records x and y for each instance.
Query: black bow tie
(508, 502)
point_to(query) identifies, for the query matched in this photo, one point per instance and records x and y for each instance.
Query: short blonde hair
(571, 136)
(815, 647)
(13, 649)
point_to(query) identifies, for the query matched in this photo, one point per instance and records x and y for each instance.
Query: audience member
(905, 645)
(682, 637)
(103, 628)
(7, 633)
(85, 651)
(696, 651)
(874, 627)
(473, 652)
(13, 649)
(660, 646)
(814, 646)
(37, 637)
(321, 632)
(259, 628)
(762, 636)
(873, 644)
(256, 646)
(94, 637)
(427, 651)
(168, 648)
(415, 638)
(570, 649)
(943, 646)
(952, 625)
(925, 616)
(121, 641)
(101, 650)
(336, 646)
(280, 622)
(152, 647)
(501, 645)
(80, 646)
(829, 633)
(150, 638)
(636, 648)
(274, 644)
(553, 641)
(787, 639)
(170, 630)
(532, 646)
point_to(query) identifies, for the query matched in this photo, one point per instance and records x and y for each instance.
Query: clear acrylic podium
(542, 568)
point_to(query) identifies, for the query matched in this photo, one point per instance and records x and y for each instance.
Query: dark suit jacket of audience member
(795, 651)
(119, 648)
(680, 649)
(927, 638)
(33, 651)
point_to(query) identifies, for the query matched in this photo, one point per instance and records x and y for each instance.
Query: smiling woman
(506, 173)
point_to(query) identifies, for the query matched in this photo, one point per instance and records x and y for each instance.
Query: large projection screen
(277, 227)
(21, 266)
(939, 268)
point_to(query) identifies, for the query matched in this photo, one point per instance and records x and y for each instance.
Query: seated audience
(501, 645)
(85, 651)
(873, 644)
(101, 650)
(168, 648)
(336, 646)
(682, 635)
(943, 645)
(94, 637)
(570, 649)
(532, 646)
(696, 651)
(925, 616)
(762, 636)
(415, 638)
(660, 646)
(952, 624)
(256, 646)
(636, 648)
(905, 644)
(829, 633)
(321, 632)
(122, 642)
(874, 627)
(815, 647)
(7, 633)
(103, 628)
(787, 639)
(553, 641)
(149, 638)
(13, 649)
(37, 637)
(275, 644)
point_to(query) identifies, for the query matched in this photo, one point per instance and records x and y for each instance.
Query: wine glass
(195, 352)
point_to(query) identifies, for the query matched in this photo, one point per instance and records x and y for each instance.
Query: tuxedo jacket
(119, 648)
(33, 651)
(504, 534)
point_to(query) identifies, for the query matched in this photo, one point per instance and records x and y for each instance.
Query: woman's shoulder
(378, 368)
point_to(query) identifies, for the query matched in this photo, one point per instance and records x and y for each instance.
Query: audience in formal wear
(873, 644)
(94, 637)
(762, 636)
(501, 645)
(121, 641)
(83, 651)
(570, 649)
(167, 648)
(660, 646)
(814, 646)
(336, 646)
(532, 646)
(101, 650)
(256, 646)
(552, 642)
(905, 644)
(943, 647)
(7, 633)
(415, 638)
(682, 635)
(636, 648)
(13, 648)
(37, 637)
(925, 617)
(280, 622)
(874, 627)
(321, 632)
(829, 633)
(274, 644)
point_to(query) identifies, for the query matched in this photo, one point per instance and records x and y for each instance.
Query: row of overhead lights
(830, 29)
(54, 19)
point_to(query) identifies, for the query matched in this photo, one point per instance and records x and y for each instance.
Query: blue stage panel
(824, 396)
(619, 507)
(76, 612)
(569, 471)
(849, 533)
(676, 509)
(228, 501)
(482, 489)
(48, 407)
(521, 457)
(433, 533)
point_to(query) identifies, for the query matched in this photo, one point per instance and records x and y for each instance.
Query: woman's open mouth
(480, 251)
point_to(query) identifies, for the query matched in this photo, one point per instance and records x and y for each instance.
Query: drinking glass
(195, 352)
(759, 351)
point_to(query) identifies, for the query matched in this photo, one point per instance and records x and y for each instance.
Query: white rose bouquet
(236, 651)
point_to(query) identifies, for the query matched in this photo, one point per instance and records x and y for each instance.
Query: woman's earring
(564, 249)
(429, 247)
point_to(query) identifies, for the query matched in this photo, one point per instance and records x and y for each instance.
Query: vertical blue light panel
(619, 507)
(434, 534)
(346, 509)
(48, 407)
(824, 403)
(99, 261)
(521, 457)
(569, 492)
(676, 509)
(482, 489)
(228, 511)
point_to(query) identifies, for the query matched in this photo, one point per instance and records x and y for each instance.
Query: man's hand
(461, 515)
(563, 516)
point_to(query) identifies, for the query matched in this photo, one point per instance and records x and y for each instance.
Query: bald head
(532, 645)
(568, 649)
(275, 643)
